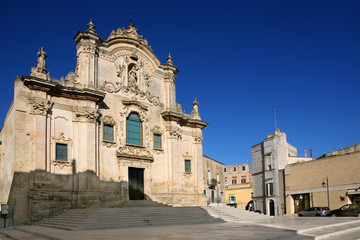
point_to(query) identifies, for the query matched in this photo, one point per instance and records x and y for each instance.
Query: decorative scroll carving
(137, 152)
(108, 144)
(133, 92)
(187, 175)
(61, 164)
(157, 130)
(41, 106)
(108, 120)
(187, 156)
(61, 139)
(154, 100)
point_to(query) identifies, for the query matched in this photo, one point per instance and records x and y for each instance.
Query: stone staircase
(231, 214)
(132, 214)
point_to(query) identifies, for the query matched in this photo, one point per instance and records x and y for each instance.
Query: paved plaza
(283, 227)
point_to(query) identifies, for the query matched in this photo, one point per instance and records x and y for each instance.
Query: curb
(336, 233)
(302, 231)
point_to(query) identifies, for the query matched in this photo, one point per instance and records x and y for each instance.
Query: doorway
(136, 183)
(272, 208)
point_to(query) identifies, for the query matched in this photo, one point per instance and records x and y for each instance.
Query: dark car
(348, 210)
(314, 211)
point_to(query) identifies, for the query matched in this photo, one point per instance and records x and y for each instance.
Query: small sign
(5, 209)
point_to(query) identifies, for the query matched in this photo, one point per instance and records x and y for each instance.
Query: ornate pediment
(130, 33)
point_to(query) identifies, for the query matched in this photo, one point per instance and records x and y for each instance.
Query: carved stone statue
(119, 70)
(41, 59)
(133, 75)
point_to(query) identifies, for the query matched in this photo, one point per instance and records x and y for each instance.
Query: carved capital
(199, 139)
(41, 106)
(89, 115)
(176, 133)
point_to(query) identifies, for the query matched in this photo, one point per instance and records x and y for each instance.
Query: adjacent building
(331, 180)
(269, 159)
(108, 132)
(214, 181)
(238, 185)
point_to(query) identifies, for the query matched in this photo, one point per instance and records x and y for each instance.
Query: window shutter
(157, 141)
(108, 133)
(61, 152)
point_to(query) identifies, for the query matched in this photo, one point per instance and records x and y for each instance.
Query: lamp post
(327, 188)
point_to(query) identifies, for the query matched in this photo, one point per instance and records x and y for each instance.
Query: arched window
(133, 129)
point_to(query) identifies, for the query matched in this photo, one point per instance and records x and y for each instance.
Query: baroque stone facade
(71, 143)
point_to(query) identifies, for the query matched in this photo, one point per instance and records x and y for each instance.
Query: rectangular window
(225, 182)
(157, 141)
(108, 133)
(187, 166)
(243, 168)
(224, 169)
(234, 181)
(61, 152)
(243, 180)
(269, 189)
(234, 169)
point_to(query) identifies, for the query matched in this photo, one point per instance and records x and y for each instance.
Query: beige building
(238, 185)
(214, 181)
(110, 131)
(237, 174)
(306, 182)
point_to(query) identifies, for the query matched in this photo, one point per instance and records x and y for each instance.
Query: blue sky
(239, 58)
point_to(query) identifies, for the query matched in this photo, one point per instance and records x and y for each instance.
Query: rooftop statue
(41, 64)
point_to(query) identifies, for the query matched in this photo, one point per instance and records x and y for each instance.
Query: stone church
(108, 132)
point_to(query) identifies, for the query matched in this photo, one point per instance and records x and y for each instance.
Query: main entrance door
(136, 183)
(272, 208)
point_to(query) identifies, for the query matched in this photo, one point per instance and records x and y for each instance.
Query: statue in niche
(41, 59)
(133, 77)
(119, 70)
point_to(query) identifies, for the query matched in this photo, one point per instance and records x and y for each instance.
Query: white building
(269, 159)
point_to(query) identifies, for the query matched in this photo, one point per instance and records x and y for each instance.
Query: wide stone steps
(231, 214)
(124, 217)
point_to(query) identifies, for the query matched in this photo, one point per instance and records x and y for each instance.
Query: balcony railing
(212, 183)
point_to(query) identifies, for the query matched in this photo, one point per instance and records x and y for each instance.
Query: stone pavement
(240, 225)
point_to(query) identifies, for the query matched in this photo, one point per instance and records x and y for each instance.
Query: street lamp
(327, 188)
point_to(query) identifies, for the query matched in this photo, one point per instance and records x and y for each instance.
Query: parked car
(315, 211)
(348, 210)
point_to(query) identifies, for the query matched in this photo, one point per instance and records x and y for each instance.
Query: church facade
(108, 132)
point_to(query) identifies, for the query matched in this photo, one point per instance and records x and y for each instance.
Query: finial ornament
(195, 111)
(169, 59)
(91, 26)
(195, 103)
(41, 64)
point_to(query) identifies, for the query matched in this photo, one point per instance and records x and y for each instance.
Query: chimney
(310, 152)
(305, 153)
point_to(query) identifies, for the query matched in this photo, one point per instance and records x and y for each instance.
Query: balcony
(212, 183)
